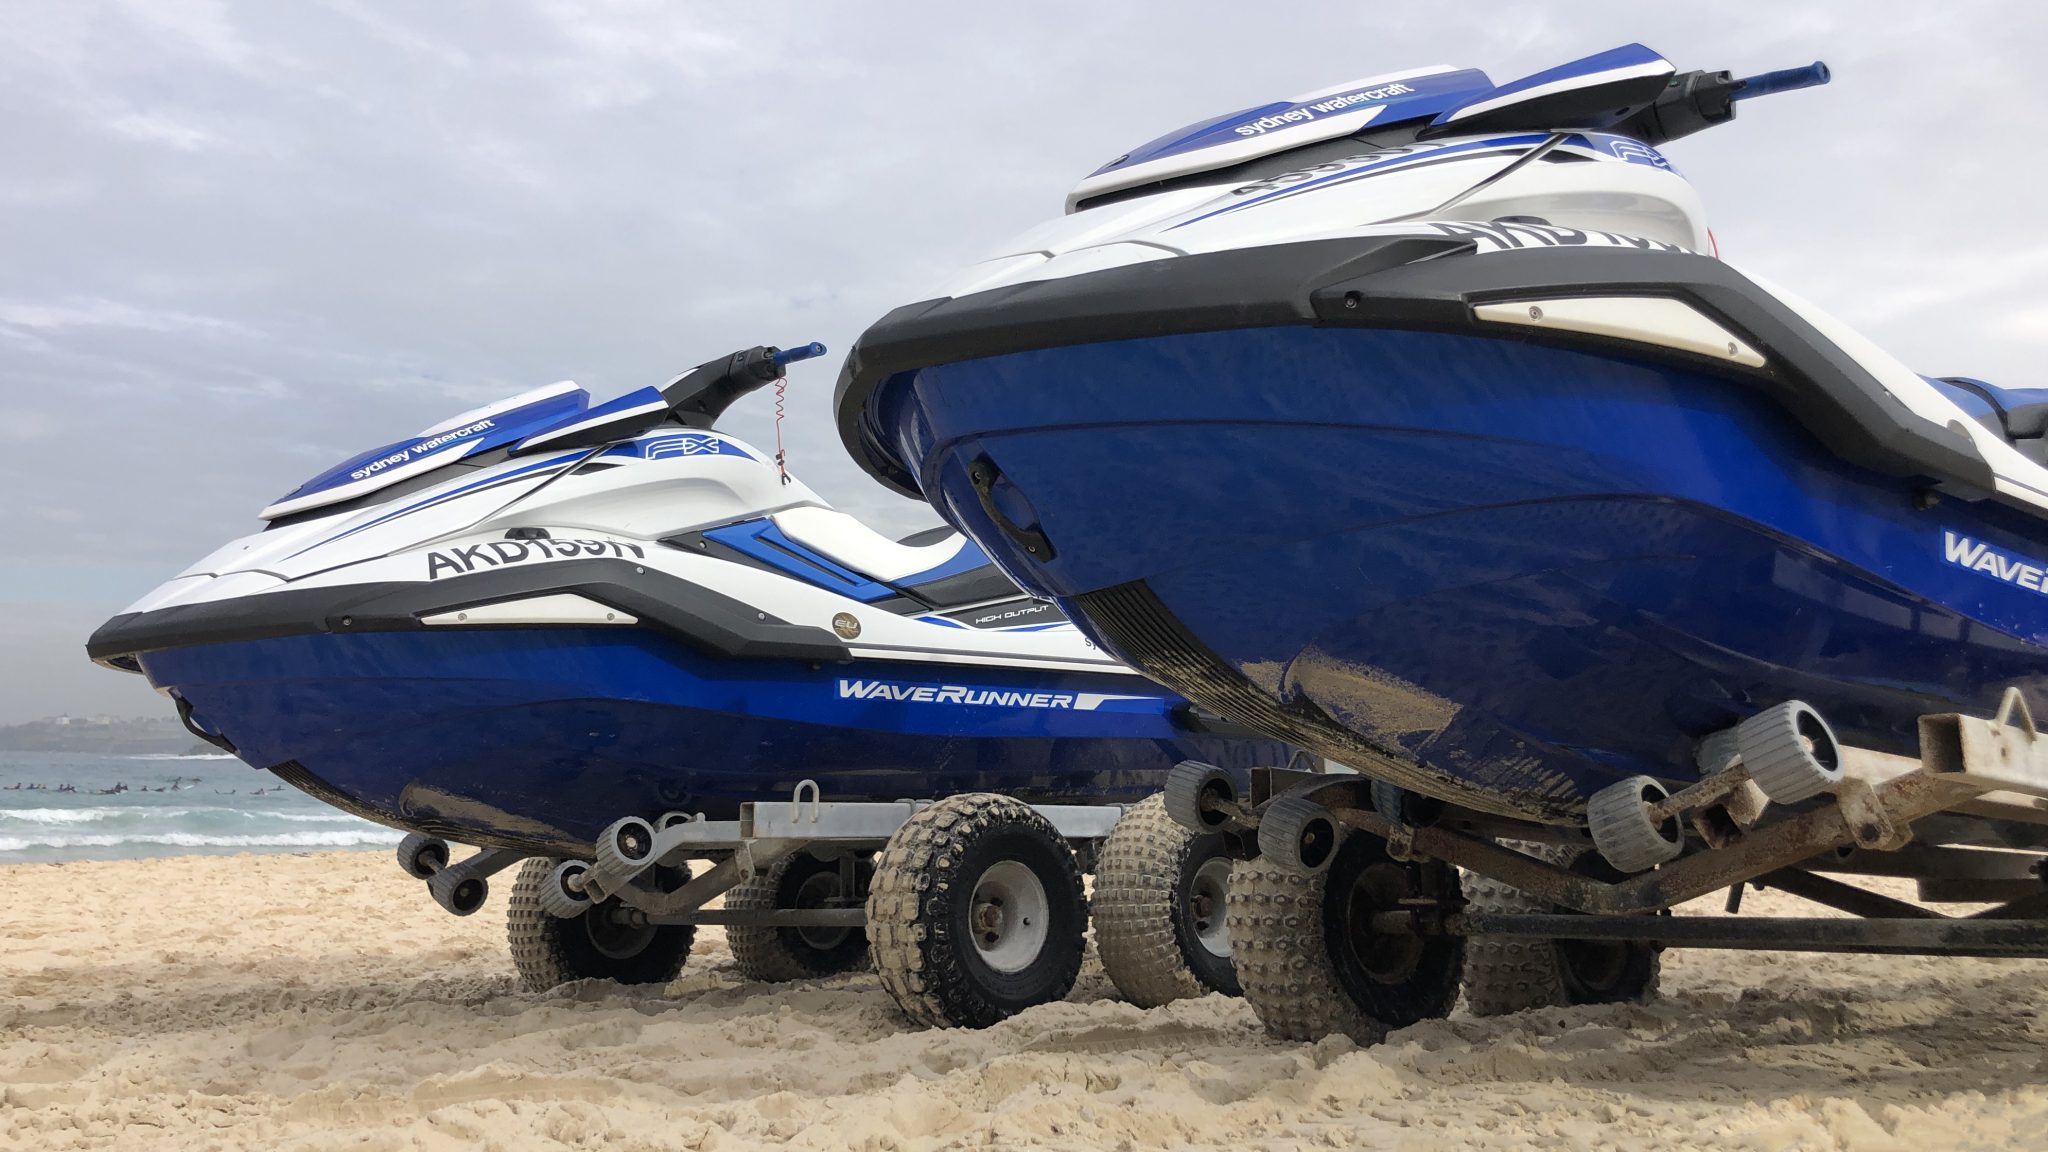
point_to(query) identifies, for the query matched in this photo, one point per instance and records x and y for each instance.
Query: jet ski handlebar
(1695, 100)
(790, 356)
(1784, 80)
(700, 396)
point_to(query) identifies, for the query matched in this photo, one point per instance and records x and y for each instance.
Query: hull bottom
(1599, 639)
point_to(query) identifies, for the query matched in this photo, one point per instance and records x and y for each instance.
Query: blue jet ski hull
(1505, 572)
(537, 738)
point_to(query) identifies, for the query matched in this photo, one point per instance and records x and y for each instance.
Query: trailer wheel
(976, 912)
(1506, 974)
(1159, 909)
(1313, 964)
(799, 880)
(548, 950)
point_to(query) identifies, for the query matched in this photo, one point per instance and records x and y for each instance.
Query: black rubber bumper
(709, 620)
(1406, 282)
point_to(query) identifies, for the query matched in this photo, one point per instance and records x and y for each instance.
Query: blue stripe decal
(597, 417)
(1593, 70)
(436, 499)
(453, 444)
(967, 559)
(763, 541)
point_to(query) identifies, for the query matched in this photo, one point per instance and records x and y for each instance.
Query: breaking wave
(332, 838)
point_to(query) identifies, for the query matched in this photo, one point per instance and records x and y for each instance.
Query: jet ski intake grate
(295, 774)
(1140, 630)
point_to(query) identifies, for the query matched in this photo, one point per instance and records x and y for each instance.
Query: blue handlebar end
(1811, 76)
(801, 352)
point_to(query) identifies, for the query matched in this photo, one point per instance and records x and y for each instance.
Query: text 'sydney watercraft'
(1418, 421)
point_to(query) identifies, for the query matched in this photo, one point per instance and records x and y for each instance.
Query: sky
(240, 242)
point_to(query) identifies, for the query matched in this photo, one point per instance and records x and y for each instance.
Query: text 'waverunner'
(542, 616)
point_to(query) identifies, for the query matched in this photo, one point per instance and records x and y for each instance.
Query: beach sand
(315, 1002)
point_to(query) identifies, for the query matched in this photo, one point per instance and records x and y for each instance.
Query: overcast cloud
(239, 242)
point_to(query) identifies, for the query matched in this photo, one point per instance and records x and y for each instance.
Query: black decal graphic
(1543, 233)
(1475, 232)
(498, 553)
(1510, 234)
(470, 555)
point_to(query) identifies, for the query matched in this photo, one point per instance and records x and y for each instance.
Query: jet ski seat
(2018, 414)
(965, 586)
(847, 541)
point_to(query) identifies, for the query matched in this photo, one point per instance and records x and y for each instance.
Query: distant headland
(109, 735)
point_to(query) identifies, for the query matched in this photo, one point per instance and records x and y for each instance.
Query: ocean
(208, 804)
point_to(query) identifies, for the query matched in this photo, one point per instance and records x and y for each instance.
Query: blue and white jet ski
(1441, 441)
(1417, 421)
(541, 616)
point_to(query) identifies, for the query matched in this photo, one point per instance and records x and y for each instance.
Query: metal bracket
(446, 885)
(1988, 755)
(746, 860)
(768, 831)
(1869, 824)
(2013, 702)
(1904, 936)
(1401, 842)
(796, 800)
(482, 863)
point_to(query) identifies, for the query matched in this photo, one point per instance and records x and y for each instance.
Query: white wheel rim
(1212, 881)
(1009, 916)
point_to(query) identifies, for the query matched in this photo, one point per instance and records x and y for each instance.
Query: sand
(315, 1002)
